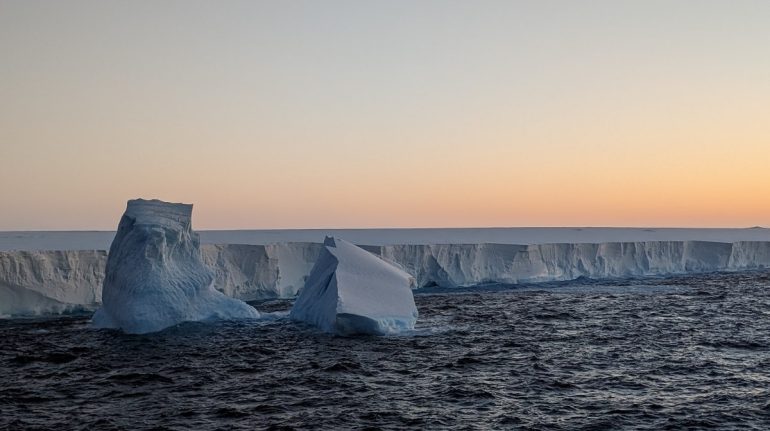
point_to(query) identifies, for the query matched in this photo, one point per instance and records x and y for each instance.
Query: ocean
(683, 352)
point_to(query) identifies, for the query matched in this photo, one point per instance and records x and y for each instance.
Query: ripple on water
(681, 352)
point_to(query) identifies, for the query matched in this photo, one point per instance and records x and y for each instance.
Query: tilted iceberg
(155, 277)
(351, 291)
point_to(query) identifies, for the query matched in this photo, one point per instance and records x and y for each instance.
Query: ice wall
(465, 265)
(45, 282)
(249, 272)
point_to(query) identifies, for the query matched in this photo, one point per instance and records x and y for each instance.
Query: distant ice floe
(351, 291)
(155, 277)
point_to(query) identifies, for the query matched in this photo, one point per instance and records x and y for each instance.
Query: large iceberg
(155, 277)
(351, 291)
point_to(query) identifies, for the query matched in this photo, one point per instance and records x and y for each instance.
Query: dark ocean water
(676, 353)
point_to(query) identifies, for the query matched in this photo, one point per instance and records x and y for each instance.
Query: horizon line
(406, 228)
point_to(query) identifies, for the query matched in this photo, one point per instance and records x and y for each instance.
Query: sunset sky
(312, 114)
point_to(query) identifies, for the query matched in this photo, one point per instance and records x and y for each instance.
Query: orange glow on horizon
(270, 116)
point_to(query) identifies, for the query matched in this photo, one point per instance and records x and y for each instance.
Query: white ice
(50, 282)
(278, 270)
(351, 291)
(155, 277)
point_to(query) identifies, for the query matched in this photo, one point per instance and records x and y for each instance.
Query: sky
(350, 114)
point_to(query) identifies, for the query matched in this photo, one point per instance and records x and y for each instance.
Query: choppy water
(676, 353)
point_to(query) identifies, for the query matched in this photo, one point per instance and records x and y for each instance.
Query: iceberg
(155, 277)
(351, 291)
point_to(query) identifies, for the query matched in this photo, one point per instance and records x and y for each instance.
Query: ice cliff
(155, 277)
(45, 281)
(251, 272)
(50, 282)
(351, 291)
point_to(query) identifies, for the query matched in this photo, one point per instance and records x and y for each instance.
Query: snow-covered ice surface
(155, 277)
(351, 291)
(100, 240)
